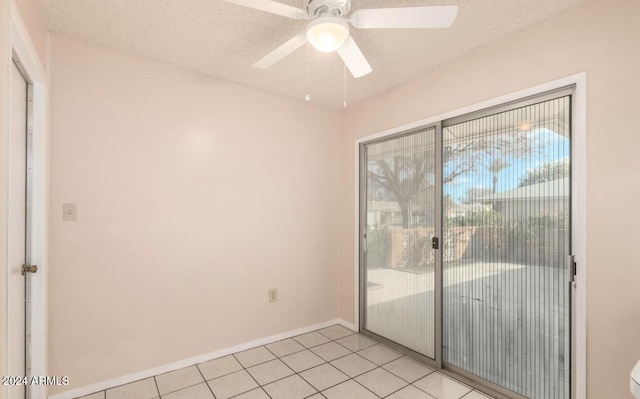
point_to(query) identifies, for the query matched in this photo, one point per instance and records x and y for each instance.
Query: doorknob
(29, 269)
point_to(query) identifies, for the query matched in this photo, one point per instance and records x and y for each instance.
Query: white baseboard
(126, 379)
(346, 324)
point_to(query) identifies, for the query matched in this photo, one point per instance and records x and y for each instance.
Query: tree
(495, 167)
(546, 171)
(406, 176)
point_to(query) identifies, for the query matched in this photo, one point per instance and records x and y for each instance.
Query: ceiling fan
(329, 29)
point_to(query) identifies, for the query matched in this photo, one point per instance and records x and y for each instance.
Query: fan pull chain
(307, 97)
(345, 85)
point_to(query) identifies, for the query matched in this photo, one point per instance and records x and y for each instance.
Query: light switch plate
(69, 212)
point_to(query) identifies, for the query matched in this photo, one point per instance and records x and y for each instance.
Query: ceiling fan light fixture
(327, 34)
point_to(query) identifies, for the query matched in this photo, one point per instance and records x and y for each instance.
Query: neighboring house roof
(383, 206)
(390, 206)
(546, 190)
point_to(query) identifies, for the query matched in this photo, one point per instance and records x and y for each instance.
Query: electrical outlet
(273, 295)
(69, 212)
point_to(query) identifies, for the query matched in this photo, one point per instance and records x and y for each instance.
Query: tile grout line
(310, 368)
(298, 373)
(324, 362)
(133, 382)
(280, 357)
(205, 381)
(295, 372)
(474, 390)
(309, 348)
(247, 371)
(377, 367)
(329, 363)
(183, 388)
(407, 383)
(157, 388)
(329, 387)
(285, 364)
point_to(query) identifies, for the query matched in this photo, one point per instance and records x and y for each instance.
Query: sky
(554, 147)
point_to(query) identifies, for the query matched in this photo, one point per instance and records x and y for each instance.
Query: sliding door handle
(29, 269)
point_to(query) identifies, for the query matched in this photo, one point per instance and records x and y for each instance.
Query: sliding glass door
(506, 223)
(465, 244)
(398, 222)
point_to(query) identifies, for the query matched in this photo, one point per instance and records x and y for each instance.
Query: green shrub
(479, 218)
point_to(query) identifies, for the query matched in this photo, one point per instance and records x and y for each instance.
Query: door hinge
(573, 268)
(435, 243)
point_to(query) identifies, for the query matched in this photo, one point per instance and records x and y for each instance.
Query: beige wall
(195, 196)
(5, 64)
(214, 170)
(602, 38)
(33, 19)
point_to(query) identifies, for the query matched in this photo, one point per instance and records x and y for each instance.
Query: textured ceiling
(223, 40)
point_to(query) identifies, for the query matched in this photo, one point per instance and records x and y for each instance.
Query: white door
(17, 230)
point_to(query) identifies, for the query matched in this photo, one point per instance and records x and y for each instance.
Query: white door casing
(17, 229)
(31, 66)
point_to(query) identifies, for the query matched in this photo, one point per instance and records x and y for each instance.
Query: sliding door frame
(567, 91)
(436, 361)
(576, 84)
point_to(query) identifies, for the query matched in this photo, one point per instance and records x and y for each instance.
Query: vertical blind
(506, 222)
(399, 224)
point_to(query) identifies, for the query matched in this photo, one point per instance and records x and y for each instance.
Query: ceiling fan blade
(354, 59)
(405, 17)
(273, 7)
(284, 50)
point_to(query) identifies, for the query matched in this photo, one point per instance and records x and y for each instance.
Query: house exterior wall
(523, 209)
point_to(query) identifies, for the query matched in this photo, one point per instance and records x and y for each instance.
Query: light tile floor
(332, 363)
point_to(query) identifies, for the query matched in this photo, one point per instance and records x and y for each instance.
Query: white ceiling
(223, 40)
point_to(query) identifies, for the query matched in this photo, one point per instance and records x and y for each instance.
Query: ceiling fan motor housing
(336, 8)
(329, 31)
